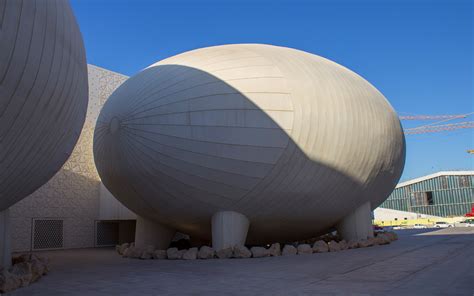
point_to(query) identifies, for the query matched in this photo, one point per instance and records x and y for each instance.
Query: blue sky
(419, 54)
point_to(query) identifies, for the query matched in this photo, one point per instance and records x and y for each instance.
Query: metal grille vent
(47, 234)
(107, 233)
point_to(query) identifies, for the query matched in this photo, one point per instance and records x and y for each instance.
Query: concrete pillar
(357, 225)
(229, 229)
(5, 240)
(149, 232)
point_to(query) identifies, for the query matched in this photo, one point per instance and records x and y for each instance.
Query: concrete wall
(73, 194)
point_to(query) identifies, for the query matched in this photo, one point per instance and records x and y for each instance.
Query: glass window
(464, 181)
(444, 182)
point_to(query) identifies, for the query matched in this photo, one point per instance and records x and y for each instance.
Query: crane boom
(432, 117)
(438, 128)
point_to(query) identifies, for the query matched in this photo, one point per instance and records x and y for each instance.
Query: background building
(443, 194)
(73, 210)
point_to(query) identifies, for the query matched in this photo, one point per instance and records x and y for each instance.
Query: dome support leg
(5, 239)
(149, 232)
(357, 225)
(229, 229)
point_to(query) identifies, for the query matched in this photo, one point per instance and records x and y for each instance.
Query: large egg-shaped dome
(289, 139)
(43, 93)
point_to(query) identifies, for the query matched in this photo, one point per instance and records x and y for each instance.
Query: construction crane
(432, 117)
(436, 127)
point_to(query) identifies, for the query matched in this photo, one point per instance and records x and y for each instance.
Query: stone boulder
(26, 269)
(334, 246)
(39, 268)
(258, 252)
(23, 272)
(382, 239)
(160, 254)
(242, 252)
(372, 241)
(174, 253)
(39, 265)
(320, 247)
(289, 250)
(343, 245)
(225, 253)
(8, 281)
(304, 249)
(275, 250)
(133, 252)
(352, 244)
(206, 252)
(364, 243)
(147, 252)
(190, 254)
(121, 248)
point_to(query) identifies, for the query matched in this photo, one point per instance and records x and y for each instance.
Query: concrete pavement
(421, 262)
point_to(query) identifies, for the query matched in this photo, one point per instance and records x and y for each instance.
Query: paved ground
(421, 262)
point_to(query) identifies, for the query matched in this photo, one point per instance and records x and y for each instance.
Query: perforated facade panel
(48, 234)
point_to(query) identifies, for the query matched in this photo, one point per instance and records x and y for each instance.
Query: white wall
(111, 209)
(389, 214)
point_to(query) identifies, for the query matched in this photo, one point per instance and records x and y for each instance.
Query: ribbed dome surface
(289, 139)
(43, 93)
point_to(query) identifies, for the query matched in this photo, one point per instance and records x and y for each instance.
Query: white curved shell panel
(43, 93)
(289, 139)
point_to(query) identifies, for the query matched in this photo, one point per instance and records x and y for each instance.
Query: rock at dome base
(225, 253)
(353, 244)
(334, 246)
(289, 250)
(133, 252)
(173, 254)
(382, 239)
(320, 247)
(121, 248)
(364, 243)
(8, 282)
(26, 269)
(242, 252)
(343, 245)
(258, 252)
(206, 252)
(147, 252)
(304, 249)
(190, 254)
(160, 254)
(23, 272)
(275, 250)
